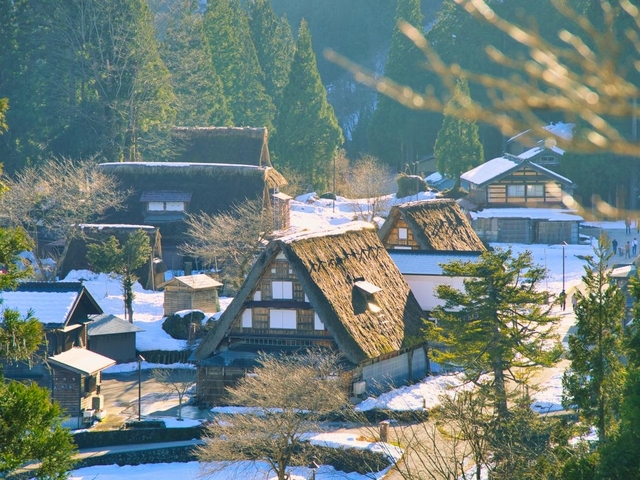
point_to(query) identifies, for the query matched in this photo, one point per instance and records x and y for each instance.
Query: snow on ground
(195, 470)
(423, 395)
(308, 213)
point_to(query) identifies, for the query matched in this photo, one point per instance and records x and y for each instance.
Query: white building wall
(424, 288)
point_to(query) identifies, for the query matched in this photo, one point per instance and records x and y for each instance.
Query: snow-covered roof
(168, 165)
(427, 263)
(196, 281)
(82, 361)
(489, 170)
(123, 226)
(559, 129)
(500, 166)
(551, 214)
(532, 152)
(333, 230)
(52, 303)
(48, 307)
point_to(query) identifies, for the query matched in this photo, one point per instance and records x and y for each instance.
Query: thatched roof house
(430, 225)
(228, 145)
(338, 289)
(218, 167)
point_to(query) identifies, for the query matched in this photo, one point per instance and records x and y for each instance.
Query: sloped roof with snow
(501, 166)
(559, 129)
(532, 152)
(82, 361)
(52, 303)
(437, 224)
(328, 265)
(196, 282)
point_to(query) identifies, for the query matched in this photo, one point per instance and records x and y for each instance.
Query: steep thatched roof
(436, 225)
(213, 187)
(328, 266)
(230, 145)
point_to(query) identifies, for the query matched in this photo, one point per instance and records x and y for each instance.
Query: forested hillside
(109, 78)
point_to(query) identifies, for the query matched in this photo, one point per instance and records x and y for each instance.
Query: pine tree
(458, 146)
(499, 324)
(397, 134)
(123, 259)
(308, 134)
(200, 99)
(235, 60)
(274, 44)
(595, 380)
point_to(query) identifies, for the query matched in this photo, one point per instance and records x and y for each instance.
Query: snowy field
(311, 214)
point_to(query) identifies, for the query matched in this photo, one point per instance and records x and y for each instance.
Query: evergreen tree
(397, 134)
(236, 61)
(274, 44)
(30, 429)
(200, 100)
(595, 380)
(111, 256)
(499, 324)
(308, 134)
(458, 146)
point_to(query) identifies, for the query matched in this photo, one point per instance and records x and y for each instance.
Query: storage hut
(191, 292)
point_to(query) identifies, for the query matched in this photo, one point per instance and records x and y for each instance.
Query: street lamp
(139, 359)
(564, 295)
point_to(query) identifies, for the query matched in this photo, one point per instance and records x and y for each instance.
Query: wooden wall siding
(497, 192)
(67, 387)
(212, 383)
(279, 270)
(281, 214)
(184, 298)
(59, 341)
(394, 240)
(524, 230)
(119, 346)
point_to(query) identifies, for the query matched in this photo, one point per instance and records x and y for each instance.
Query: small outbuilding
(191, 292)
(113, 337)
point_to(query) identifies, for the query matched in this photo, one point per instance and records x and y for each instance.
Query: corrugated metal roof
(82, 361)
(165, 196)
(109, 325)
(427, 263)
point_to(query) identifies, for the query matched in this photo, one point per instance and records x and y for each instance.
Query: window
(535, 190)
(281, 290)
(402, 233)
(317, 323)
(174, 206)
(246, 319)
(165, 206)
(257, 296)
(282, 319)
(547, 160)
(515, 190)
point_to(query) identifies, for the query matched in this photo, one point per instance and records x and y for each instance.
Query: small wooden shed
(191, 292)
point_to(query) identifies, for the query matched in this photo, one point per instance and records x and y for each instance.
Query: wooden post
(384, 430)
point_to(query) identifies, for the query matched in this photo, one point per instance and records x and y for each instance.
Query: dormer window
(367, 292)
(159, 202)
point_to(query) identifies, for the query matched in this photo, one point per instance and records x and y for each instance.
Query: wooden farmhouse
(212, 169)
(191, 292)
(515, 200)
(337, 290)
(421, 236)
(510, 181)
(113, 337)
(429, 225)
(70, 371)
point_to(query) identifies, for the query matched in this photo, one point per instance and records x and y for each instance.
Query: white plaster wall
(423, 288)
